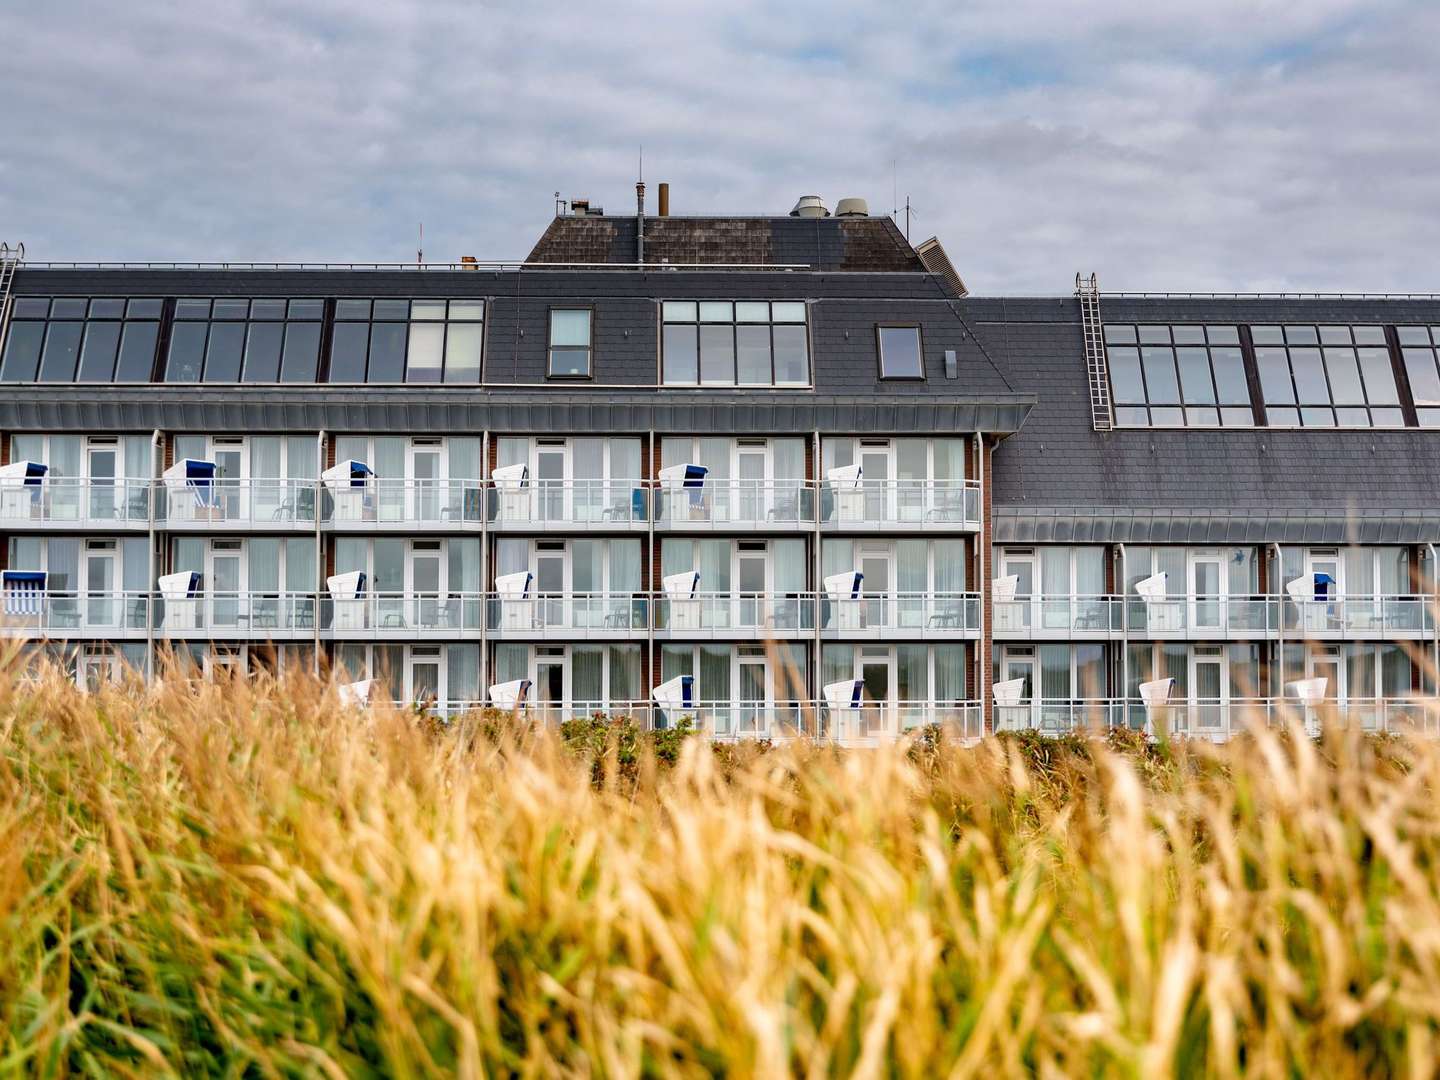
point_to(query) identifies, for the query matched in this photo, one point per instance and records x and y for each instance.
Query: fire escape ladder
(1087, 291)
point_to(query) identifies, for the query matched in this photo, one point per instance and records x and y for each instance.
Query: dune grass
(247, 879)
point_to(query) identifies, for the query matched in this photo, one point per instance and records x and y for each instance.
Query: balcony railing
(1217, 718)
(77, 614)
(237, 614)
(68, 501)
(557, 503)
(1061, 616)
(888, 504)
(902, 613)
(229, 503)
(579, 613)
(737, 504)
(724, 613)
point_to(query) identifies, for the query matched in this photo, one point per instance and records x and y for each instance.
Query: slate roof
(1058, 477)
(872, 244)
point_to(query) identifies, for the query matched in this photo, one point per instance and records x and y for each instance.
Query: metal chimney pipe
(665, 200)
(640, 221)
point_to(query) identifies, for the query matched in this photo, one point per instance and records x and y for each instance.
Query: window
(569, 343)
(76, 339)
(1419, 345)
(415, 341)
(1326, 376)
(900, 356)
(1177, 376)
(734, 343)
(231, 340)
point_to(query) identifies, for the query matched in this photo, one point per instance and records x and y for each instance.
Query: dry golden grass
(248, 879)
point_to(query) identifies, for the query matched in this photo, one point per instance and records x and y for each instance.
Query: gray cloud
(1232, 144)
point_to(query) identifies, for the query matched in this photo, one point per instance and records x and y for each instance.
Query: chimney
(469, 262)
(640, 221)
(665, 200)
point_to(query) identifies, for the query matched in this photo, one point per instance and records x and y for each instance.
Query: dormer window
(734, 343)
(570, 343)
(900, 356)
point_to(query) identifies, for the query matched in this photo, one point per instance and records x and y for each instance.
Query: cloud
(1234, 144)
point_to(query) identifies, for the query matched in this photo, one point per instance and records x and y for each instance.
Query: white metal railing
(75, 614)
(886, 503)
(737, 611)
(241, 614)
(230, 502)
(569, 502)
(574, 611)
(920, 612)
(404, 614)
(879, 721)
(736, 503)
(75, 500)
(1218, 718)
(401, 502)
(1355, 613)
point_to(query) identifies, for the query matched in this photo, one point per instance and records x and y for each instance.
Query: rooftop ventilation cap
(810, 206)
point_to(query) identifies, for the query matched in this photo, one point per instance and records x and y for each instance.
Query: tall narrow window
(569, 343)
(900, 352)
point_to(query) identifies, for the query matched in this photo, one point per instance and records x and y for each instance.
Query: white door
(750, 501)
(1208, 709)
(1020, 613)
(1207, 591)
(231, 476)
(877, 473)
(426, 684)
(753, 697)
(877, 563)
(552, 586)
(225, 577)
(425, 584)
(550, 692)
(752, 589)
(878, 708)
(103, 495)
(1328, 664)
(552, 471)
(427, 481)
(1018, 665)
(103, 604)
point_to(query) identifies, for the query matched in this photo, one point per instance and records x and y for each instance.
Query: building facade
(782, 467)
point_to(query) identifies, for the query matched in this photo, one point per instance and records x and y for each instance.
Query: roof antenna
(420, 246)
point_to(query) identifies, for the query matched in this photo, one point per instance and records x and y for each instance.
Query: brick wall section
(987, 573)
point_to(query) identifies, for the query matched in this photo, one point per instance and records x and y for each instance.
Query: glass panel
(137, 351)
(1309, 376)
(1229, 368)
(1119, 335)
(62, 351)
(1153, 335)
(222, 355)
(1195, 381)
(262, 352)
(392, 309)
(1424, 382)
(681, 355)
(97, 358)
(302, 352)
(22, 351)
(679, 310)
(792, 364)
(387, 349)
(752, 312)
(569, 362)
(192, 309)
(717, 354)
(1275, 382)
(425, 355)
(267, 310)
(462, 352)
(716, 311)
(1160, 381)
(1379, 377)
(900, 352)
(347, 351)
(787, 313)
(187, 352)
(1125, 377)
(427, 309)
(307, 309)
(752, 353)
(1344, 373)
(570, 327)
(352, 309)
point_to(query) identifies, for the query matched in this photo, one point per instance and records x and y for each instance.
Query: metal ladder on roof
(10, 259)
(1087, 291)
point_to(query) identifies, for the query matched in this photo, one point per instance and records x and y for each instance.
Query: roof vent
(582, 208)
(934, 259)
(810, 206)
(852, 208)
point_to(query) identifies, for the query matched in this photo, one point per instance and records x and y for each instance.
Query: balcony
(1217, 719)
(554, 505)
(225, 504)
(568, 616)
(886, 505)
(1216, 618)
(912, 616)
(59, 616)
(735, 615)
(67, 502)
(258, 616)
(737, 505)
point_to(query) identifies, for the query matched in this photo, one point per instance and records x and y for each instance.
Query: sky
(1229, 145)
